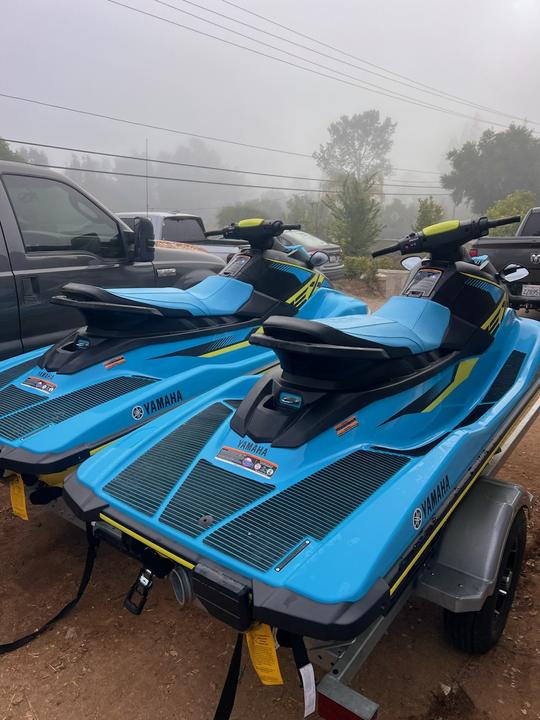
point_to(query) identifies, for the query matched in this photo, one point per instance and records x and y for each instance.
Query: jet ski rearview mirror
(513, 272)
(318, 258)
(409, 263)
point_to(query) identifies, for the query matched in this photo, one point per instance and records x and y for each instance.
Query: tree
(516, 203)
(397, 217)
(429, 212)
(358, 145)
(32, 155)
(6, 153)
(355, 214)
(499, 163)
(312, 214)
(267, 208)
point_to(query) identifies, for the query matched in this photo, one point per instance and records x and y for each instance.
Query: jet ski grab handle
(258, 233)
(445, 239)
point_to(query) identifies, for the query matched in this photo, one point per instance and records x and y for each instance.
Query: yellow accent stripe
(306, 291)
(148, 543)
(455, 503)
(475, 277)
(464, 369)
(494, 315)
(229, 348)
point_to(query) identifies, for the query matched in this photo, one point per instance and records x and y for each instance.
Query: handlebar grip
(505, 221)
(386, 250)
(296, 226)
(212, 233)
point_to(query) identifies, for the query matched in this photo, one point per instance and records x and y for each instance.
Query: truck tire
(477, 632)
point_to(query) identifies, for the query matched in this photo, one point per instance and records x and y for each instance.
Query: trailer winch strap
(87, 573)
(228, 694)
(304, 667)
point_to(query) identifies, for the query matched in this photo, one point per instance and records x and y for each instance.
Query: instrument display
(235, 265)
(423, 283)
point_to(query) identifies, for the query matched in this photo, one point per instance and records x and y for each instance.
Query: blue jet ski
(145, 351)
(309, 498)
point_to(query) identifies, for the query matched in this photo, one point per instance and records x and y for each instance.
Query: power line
(366, 84)
(84, 151)
(370, 87)
(412, 84)
(137, 123)
(152, 127)
(162, 162)
(210, 182)
(437, 91)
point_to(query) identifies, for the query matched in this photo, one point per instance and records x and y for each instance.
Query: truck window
(54, 216)
(185, 230)
(532, 226)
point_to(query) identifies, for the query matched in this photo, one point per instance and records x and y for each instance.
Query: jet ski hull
(51, 421)
(321, 538)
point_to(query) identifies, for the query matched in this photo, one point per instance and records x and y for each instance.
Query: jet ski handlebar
(257, 232)
(445, 238)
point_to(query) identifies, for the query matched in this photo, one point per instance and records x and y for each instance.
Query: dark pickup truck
(52, 232)
(524, 249)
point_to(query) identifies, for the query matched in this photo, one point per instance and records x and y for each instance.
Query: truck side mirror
(144, 240)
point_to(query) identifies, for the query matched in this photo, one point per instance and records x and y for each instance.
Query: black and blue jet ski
(145, 351)
(309, 498)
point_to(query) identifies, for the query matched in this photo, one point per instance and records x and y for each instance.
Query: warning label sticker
(248, 461)
(262, 651)
(44, 386)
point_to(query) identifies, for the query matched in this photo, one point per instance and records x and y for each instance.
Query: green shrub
(365, 268)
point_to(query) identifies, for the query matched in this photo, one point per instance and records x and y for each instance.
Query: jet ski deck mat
(32, 413)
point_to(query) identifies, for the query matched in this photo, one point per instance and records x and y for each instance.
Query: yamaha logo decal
(137, 412)
(417, 518)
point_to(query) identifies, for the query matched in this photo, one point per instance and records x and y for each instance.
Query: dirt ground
(102, 662)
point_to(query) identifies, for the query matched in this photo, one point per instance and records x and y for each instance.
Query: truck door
(190, 230)
(10, 334)
(59, 235)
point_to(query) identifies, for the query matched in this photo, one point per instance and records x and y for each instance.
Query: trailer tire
(477, 632)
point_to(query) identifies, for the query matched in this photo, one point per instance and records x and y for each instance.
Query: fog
(107, 59)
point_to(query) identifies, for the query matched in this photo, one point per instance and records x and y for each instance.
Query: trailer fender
(463, 570)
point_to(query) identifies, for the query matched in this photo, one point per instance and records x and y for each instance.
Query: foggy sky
(102, 57)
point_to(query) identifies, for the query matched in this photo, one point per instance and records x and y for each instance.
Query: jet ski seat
(216, 295)
(402, 327)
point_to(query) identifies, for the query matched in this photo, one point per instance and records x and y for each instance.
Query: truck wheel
(477, 632)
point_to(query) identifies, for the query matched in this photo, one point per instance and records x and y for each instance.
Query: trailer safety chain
(85, 579)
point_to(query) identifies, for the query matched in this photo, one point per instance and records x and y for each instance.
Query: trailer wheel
(477, 632)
